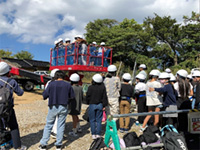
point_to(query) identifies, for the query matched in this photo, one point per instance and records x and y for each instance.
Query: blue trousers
(95, 117)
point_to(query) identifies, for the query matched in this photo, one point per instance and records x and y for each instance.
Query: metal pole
(150, 113)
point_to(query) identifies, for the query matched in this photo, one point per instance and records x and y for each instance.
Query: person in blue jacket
(13, 86)
(58, 92)
(169, 99)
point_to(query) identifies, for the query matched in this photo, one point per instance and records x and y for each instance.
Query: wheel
(28, 86)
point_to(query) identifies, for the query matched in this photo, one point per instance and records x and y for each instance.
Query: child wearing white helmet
(97, 99)
(11, 120)
(126, 93)
(113, 86)
(154, 99)
(74, 107)
(140, 95)
(169, 99)
(142, 69)
(184, 89)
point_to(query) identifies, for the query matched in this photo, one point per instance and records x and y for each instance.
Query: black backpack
(97, 144)
(131, 139)
(149, 135)
(171, 139)
(5, 101)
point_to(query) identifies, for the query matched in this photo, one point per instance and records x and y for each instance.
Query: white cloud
(39, 21)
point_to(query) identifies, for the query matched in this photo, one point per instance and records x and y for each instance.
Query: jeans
(61, 112)
(95, 117)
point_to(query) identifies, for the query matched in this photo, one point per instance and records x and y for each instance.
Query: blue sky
(34, 25)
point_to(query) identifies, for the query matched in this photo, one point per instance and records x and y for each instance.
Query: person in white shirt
(154, 99)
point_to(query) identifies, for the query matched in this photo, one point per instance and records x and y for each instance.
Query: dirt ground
(31, 111)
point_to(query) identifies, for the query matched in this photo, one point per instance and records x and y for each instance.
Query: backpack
(149, 135)
(5, 102)
(131, 139)
(97, 144)
(171, 139)
(5, 139)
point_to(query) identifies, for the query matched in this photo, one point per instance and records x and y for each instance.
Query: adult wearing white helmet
(74, 107)
(142, 69)
(113, 86)
(140, 94)
(54, 129)
(126, 94)
(154, 99)
(13, 87)
(97, 99)
(184, 89)
(169, 99)
(196, 99)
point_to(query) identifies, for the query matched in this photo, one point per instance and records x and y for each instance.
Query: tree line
(159, 42)
(20, 55)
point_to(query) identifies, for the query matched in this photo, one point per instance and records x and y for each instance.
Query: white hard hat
(67, 39)
(94, 43)
(80, 36)
(168, 70)
(126, 76)
(74, 77)
(182, 73)
(60, 40)
(172, 78)
(97, 78)
(140, 76)
(164, 75)
(155, 72)
(196, 73)
(76, 36)
(52, 74)
(56, 42)
(142, 66)
(189, 76)
(103, 43)
(112, 68)
(4, 68)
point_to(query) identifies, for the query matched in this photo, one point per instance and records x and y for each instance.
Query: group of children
(79, 48)
(162, 91)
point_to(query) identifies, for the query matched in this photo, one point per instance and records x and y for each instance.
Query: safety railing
(73, 54)
(111, 128)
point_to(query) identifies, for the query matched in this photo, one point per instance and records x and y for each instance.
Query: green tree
(96, 28)
(167, 33)
(190, 41)
(23, 55)
(5, 53)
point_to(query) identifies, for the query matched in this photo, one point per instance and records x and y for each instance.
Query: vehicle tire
(28, 86)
